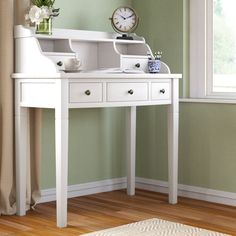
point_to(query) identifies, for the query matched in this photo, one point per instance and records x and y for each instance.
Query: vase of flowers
(41, 13)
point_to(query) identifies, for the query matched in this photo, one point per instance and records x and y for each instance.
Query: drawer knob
(60, 63)
(87, 92)
(162, 91)
(131, 91)
(137, 65)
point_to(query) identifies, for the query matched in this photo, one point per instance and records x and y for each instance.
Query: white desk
(63, 91)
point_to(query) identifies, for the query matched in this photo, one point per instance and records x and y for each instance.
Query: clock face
(124, 19)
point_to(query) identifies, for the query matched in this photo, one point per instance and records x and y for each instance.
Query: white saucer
(71, 71)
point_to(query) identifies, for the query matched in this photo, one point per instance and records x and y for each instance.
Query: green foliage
(224, 43)
(224, 48)
(218, 7)
(40, 3)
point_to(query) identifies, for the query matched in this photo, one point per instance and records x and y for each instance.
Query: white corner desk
(41, 82)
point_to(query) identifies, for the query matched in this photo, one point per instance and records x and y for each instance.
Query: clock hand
(130, 16)
(122, 17)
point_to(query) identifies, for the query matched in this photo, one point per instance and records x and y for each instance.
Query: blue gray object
(154, 66)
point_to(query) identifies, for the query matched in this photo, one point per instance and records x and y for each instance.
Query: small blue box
(154, 66)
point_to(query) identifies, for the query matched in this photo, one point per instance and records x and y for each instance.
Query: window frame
(201, 51)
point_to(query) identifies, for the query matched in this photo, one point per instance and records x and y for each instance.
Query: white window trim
(197, 48)
(201, 51)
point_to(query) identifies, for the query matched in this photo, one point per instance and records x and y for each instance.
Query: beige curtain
(12, 12)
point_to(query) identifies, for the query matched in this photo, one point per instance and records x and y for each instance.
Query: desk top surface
(87, 75)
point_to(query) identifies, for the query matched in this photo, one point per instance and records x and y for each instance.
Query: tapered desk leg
(173, 133)
(21, 139)
(61, 133)
(131, 148)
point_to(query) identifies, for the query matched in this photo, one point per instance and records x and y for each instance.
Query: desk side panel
(37, 94)
(29, 57)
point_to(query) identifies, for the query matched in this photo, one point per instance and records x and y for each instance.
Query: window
(213, 48)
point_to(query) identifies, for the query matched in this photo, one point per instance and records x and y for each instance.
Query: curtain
(12, 12)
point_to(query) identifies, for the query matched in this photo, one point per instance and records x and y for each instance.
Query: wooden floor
(105, 210)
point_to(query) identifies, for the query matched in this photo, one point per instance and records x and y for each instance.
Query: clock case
(125, 35)
(96, 50)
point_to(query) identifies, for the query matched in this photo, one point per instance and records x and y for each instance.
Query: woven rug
(155, 227)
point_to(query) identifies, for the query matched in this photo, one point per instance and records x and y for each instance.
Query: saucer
(71, 71)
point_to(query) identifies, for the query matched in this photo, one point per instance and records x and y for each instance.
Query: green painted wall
(97, 146)
(207, 148)
(87, 14)
(161, 24)
(207, 145)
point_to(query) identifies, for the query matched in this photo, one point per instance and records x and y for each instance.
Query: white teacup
(72, 64)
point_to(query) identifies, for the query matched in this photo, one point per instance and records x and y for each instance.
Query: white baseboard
(78, 190)
(210, 195)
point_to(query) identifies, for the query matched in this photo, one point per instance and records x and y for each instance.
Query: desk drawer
(85, 92)
(59, 60)
(160, 91)
(122, 92)
(135, 64)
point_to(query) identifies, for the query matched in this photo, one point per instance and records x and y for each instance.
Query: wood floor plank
(106, 210)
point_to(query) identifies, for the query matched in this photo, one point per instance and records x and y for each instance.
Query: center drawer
(121, 92)
(85, 92)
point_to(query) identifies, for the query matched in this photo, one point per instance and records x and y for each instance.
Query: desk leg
(21, 139)
(131, 148)
(61, 133)
(173, 133)
(61, 126)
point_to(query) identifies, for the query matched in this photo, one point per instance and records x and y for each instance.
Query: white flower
(35, 15)
(38, 14)
(45, 12)
(27, 17)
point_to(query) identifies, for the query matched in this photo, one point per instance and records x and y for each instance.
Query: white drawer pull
(88, 92)
(131, 91)
(162, 91)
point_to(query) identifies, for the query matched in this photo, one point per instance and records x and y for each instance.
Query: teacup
(72, 64)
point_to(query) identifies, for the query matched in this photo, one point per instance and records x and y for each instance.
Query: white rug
(155, 227)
